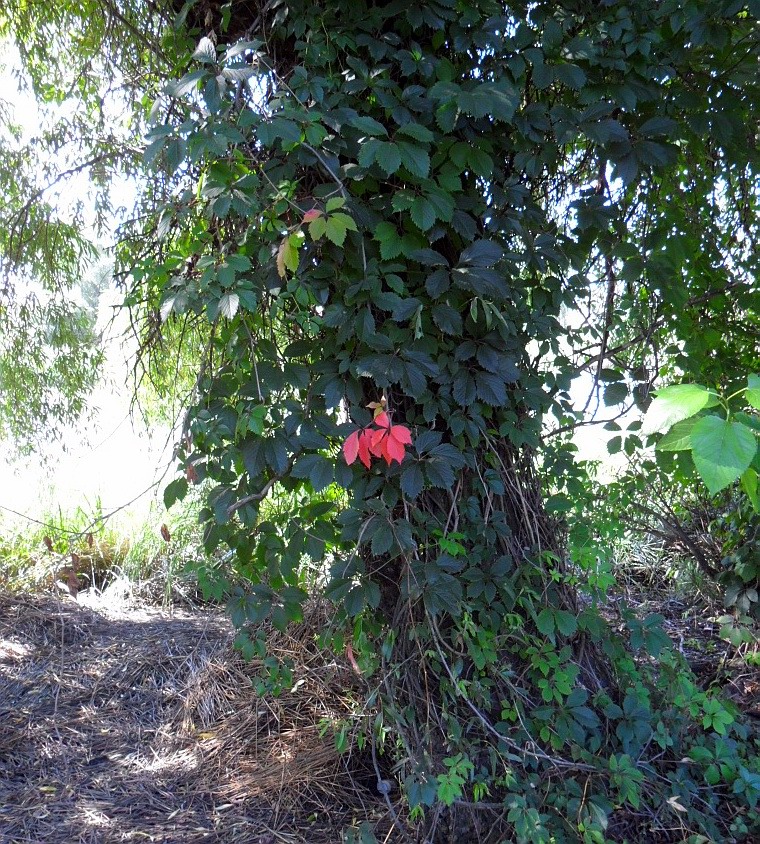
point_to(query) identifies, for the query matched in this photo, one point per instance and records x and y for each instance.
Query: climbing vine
(383, 213)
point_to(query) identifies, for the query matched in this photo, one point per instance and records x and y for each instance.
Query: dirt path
(138, 725)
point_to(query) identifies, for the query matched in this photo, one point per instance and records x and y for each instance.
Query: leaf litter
(138, 724)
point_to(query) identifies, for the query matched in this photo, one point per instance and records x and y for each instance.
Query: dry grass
(122, 723)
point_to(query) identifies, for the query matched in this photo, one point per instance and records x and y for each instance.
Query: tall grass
(39, 550)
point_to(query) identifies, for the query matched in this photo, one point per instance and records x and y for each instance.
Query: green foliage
(392, 206)
(72, 128)
(101, 547)
(49, 362)
(720, 433)
(724, 447)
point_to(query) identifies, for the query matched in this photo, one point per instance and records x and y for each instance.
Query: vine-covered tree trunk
(384, 210)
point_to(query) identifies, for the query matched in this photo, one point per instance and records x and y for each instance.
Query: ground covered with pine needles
(129, 723)
(124, 722)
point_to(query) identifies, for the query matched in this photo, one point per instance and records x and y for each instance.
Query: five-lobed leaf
(336, 227)
(386, 440)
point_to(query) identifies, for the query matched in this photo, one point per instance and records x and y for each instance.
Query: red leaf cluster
(386, 441)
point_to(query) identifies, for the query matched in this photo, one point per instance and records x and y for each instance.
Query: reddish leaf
(72, 581)
(165, 535)
(402, 434)
(382, 420)
(365, 441)
(393, 449)
(352, 659)
(314, 214)
(376, 443)
(351, 448)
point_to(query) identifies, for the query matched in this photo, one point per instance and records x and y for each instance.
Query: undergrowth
(83, 547)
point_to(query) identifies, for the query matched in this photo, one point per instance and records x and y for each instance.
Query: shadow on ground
(139, 725)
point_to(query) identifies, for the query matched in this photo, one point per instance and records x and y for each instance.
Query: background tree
(73, 130)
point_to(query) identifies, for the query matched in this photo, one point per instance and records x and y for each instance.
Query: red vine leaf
(386, 441)
(351, 448)
(365, 441)
(393, 445)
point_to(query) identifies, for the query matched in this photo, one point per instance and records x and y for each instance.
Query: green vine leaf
(753, 391)
(722, 451)
(674, 403)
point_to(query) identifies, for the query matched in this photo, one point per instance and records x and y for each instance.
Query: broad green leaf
(722, 451)
(542, 75)
(615, 393)
(239, 74)
(229, 304)
(546, 622)
(749, 485)
(388, 157)
(256, 419)
(678, 437)
(447, 319)
(566, 622)
(334, 203)
(354, 601)
(674, 403)
(559, 504)
(175, 491)
(368, 152)
(390, 240)
(315, 467)
(570, 75)
(187, 84)
(423, 213)
(337, 226)
(415, 159)
(368, 125)
(412, 480)
(491, 388)
(416, 131)
(657, 126)
(614, 445)
(382, 538)
(205, 51)
(482, 253)
(437, 283)
(753, 391)
(318, 228)
(439, 472)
